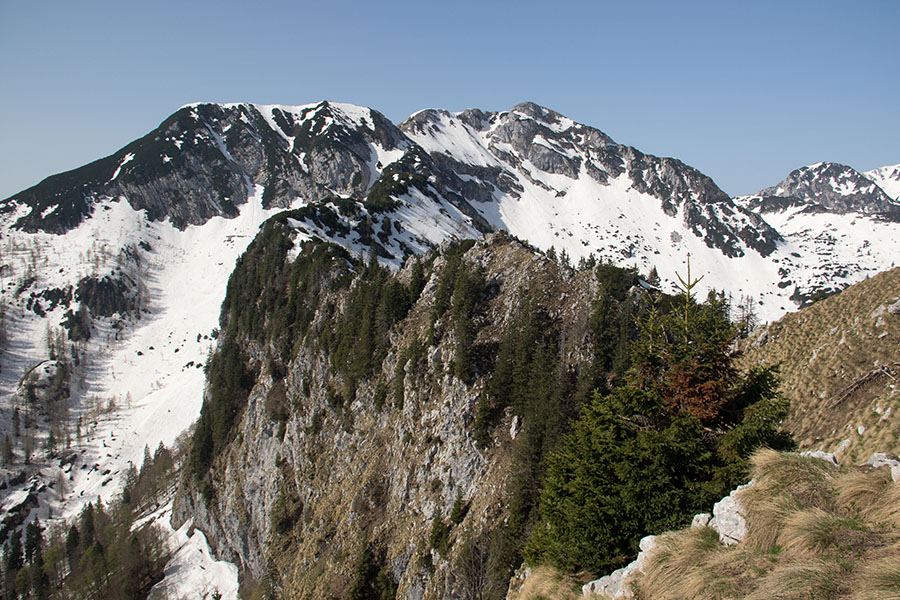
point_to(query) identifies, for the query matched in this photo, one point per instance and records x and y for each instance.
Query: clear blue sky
(745, 91)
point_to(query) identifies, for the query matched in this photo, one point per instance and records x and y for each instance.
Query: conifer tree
(73, 544)
(666, 445)
(40, 581)
(88, 535)
(33, 541)
(13, 558)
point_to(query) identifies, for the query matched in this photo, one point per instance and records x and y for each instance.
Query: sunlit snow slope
(840, 227)
(146, 386)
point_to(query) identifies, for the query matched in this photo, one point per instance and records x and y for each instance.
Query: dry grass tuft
(814, 579)
(807, 479)
(864, 492)
(785, 483)
(766, 517)
(546, 583)
(882, 577)
(813, 531)
(681, 567)
(888, 512)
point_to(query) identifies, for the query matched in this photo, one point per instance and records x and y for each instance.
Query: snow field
(146, 388)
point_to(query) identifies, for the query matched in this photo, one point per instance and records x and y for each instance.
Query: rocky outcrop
(889, 460)
(894, 308)
(616, 585)
(821, 455)
(307, 494)
(729, 517)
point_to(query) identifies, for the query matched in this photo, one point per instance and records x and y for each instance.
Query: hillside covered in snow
(112, 275)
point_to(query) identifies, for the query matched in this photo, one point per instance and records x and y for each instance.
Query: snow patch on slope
(831, 251)
(141, 385)
(193, 572)
(888, 179)
(448, 135)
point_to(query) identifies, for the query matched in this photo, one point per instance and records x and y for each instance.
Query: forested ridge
(653, 425)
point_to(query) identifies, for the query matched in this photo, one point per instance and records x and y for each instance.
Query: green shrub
(439, 537)
(372, 578)
(459, 510)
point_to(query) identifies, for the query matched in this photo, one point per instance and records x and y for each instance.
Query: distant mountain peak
(827, 187)
(888, 179)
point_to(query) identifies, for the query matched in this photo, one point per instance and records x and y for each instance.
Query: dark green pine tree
(33, 540)
(40, 581)
(13, 561)
(73, 544)
(88, 535)
(13, 558)
(623, 472)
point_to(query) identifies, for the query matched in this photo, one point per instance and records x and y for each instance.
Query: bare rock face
(729, 517)
(889, 460)
(821, 455)
(701, 520)
(616, 585)
(894, 308)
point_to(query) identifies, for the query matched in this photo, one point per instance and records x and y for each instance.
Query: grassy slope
(813, 531)
(825, 349)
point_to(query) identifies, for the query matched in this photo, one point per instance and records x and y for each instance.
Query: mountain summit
(113, 275)
(831, 187)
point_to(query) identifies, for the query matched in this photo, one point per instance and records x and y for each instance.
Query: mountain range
(122, 265)
(398, 190)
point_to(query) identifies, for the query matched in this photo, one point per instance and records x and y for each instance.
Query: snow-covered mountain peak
(839, 226)
(534, 173)
(828, 187)
(546, 117)
(206, 160)
(888, 179)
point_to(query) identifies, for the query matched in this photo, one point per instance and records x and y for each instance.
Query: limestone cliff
(331, 476)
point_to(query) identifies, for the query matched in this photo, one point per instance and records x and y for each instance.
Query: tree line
(101, 555)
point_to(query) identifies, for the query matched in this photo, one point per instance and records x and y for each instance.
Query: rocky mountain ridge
(114, 273)
(830, 187)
